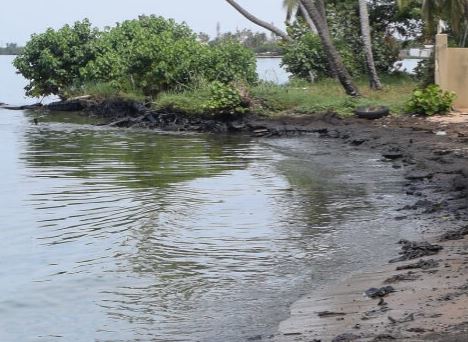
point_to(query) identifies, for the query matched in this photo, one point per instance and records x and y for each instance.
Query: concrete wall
(451, 70)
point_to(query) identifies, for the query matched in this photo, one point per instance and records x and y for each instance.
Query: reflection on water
(117, 235)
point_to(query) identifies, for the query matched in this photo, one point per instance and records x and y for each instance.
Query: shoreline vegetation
(154, 73)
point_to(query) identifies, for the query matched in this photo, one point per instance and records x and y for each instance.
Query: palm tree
(316, 10)
(294, 7)
(455, 12)
(367, 41)
(258, 21)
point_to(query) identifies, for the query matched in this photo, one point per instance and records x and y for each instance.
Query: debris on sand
(346, 338)
(422, 264)
(457, 234)
(410, 276)
(378, 293)
(408, 318)
(413, 250)
(330, 314)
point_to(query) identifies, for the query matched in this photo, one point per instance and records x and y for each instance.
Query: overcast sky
(20, 18)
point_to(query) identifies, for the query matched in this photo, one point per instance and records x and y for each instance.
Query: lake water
(270, 69)
(134, 235)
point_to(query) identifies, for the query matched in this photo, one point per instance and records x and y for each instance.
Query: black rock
(392, 155)
(66, 106)
(378, 293)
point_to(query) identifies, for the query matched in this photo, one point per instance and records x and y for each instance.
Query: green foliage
(305, 57)
(52, 60)
(225, 99)
(430, 100)
(254, 41)
(206, 99)
(424, 73)
(147, 55)
(102, 90)
(228, 61)
(151, 53)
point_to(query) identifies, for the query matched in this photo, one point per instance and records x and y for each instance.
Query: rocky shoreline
(429, 279)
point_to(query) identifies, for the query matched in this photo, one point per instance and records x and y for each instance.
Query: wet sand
(430, 303)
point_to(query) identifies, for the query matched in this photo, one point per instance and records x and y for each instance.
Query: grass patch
(105, 91)
(190, 102)
(296, 97)
(328, 95)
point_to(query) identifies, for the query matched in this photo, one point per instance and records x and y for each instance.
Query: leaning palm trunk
(366, 39)
(315, 10)
(307, 18)
(259, 22)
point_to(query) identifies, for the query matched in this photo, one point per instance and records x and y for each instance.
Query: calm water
(127, 235)
(269, 69)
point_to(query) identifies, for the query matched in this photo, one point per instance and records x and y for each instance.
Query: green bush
(147, 55)
(52, 60)
(430, 100)
(228, 61)
(151, 53)
(206, 99)
(225, 99)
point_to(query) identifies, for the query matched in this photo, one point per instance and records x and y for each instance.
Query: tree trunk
(374, 80)
(259, 22)
(307, 18)
(333, 56)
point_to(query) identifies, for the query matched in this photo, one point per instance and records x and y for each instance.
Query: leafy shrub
(430, 100)
(207, 99)
(147, 55)
(52, 60)
(228, 61)
(151, 53)
(225, 99)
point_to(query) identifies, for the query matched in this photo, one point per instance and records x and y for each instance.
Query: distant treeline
(258, 42)
(11, 49)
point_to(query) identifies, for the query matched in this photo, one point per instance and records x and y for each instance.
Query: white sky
(20, 18)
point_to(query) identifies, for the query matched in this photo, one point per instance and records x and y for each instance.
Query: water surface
(128, 235)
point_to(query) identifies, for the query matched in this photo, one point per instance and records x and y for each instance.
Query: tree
(366, 39)
(258, 21)
(52, 60)
(454, 12)
(316, 11)
(147, 55)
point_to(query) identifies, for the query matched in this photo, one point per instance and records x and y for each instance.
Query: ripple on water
(127, 235)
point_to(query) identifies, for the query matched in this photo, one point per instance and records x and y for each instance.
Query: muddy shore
(429, 279)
